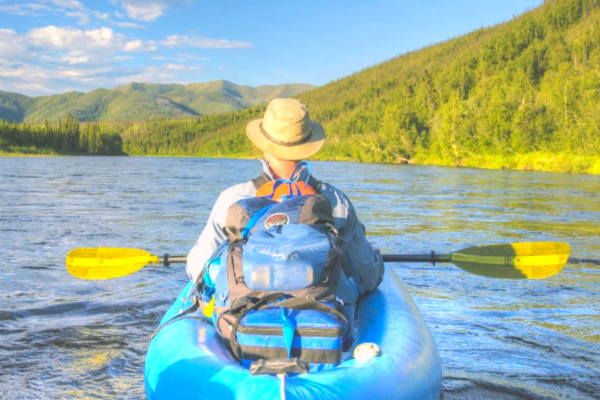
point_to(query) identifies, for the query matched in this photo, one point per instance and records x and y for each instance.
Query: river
(66, 338)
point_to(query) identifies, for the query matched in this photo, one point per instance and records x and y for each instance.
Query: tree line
(68, 136)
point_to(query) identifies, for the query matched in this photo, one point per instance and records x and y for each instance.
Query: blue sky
(55, 46)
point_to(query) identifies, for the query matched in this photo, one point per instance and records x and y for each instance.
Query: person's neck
(281, 168)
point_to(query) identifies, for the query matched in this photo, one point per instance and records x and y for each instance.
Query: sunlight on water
(498, 339)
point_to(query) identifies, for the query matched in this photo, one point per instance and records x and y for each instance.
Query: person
(286, 135)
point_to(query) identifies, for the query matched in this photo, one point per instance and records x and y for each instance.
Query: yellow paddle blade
(525, 260)
(107, 262)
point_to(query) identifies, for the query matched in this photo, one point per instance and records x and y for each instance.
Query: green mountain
(141, 101)
(13, 105)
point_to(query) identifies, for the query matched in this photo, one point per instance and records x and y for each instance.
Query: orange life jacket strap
(285, 189)
(264, 186)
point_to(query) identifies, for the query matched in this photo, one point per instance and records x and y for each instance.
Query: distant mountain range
(142, 101)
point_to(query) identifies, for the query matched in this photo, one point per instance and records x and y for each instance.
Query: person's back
(286, 135)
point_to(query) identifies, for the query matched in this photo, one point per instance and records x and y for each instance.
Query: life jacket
(274, 295)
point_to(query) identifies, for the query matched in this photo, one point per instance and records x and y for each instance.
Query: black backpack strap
(242, 307)
(305, 303)
(259, 181)
(183, 315)
(315, 183)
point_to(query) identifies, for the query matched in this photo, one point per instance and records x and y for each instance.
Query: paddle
(112, 262)
(525, 260)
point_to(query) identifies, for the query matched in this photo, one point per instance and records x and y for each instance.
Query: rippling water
(67, 338)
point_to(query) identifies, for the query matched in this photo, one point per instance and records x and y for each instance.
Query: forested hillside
(141, 101)
(524, 94)
(531, 85)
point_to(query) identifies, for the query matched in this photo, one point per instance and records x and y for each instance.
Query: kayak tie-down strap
(274, 366)
(183, 315)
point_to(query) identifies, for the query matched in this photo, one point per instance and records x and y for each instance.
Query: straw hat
(286, 131)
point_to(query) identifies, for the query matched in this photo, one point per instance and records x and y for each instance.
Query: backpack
(274, 294)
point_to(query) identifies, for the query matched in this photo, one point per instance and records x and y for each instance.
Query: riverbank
(542, 162)
(26, 152)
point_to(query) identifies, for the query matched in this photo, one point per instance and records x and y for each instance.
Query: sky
(57, 46)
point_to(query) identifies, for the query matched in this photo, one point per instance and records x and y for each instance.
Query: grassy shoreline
(541, 162)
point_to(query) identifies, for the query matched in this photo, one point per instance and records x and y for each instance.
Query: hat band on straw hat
(279, 142)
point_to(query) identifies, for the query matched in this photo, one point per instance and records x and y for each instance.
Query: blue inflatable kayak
(187, 360)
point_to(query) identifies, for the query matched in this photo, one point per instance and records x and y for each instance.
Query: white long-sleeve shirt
(365, 262)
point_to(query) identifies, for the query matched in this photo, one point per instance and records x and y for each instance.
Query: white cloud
(85, 41)
(77, 57)
(55, 59)
(159, 74)
(25, 9)
(149, 10)
(74, 39)
(127, 25)
(73, 73)
(192, 57)
(84, 18)
(134, 45)
(35, 79)
(32, 87)
(69, 8)
(68, 4)
(12, 46)
(202, 42)
(178, 67)
(139, 45)
(181, 58)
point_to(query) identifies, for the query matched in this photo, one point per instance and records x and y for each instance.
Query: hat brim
(295, 152)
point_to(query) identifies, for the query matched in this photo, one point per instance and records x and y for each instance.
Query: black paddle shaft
(432, 257)
(167, 260)
(427, 258)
